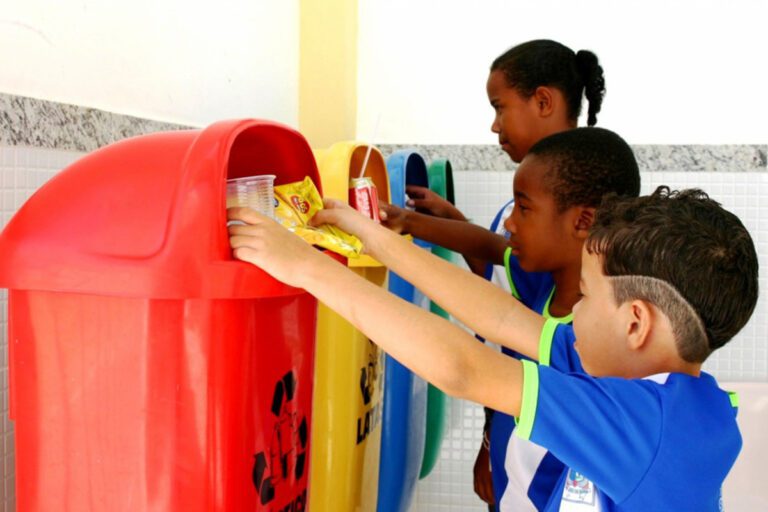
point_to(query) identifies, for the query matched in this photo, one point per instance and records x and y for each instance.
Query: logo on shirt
(578, 489)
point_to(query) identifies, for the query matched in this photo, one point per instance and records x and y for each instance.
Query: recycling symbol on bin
(286, 456)
(369, 375)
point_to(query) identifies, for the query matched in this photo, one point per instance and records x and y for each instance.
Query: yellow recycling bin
(349, 368)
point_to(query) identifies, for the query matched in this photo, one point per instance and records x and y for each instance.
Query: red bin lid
(146, 216)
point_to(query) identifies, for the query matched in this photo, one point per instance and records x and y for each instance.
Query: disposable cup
(255, 192)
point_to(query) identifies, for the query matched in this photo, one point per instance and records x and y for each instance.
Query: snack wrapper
(297, 203)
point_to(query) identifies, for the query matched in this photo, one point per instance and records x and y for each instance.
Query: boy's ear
(545, 101)
(584, 219)
(639, 323)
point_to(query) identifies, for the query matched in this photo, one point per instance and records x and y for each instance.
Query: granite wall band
(45, 124)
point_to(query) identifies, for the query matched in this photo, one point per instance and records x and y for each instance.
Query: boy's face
(541, 237)
(597, 321)
(516, 118)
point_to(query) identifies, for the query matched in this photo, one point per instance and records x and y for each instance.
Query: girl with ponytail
(536, 89)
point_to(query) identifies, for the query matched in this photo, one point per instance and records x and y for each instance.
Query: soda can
(364, 197)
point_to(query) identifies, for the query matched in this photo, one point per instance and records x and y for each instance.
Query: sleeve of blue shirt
(607, 429)
(556, 347)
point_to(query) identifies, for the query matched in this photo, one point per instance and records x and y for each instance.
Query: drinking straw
(370, 145)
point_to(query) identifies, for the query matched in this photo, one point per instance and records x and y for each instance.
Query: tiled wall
(22, 171)
(37, 139)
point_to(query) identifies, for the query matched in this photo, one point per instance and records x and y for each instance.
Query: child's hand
(426, 201)
(394, 217)
(345, 217)
(482, 476)
(268, 245)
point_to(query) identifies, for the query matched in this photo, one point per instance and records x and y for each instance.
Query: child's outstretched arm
(478, 304)
(432, 347)
(427, 201)
(470, 240)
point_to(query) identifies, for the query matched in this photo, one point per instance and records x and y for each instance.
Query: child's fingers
(487, 491)
(422, 204)
(388, 210)
(484, 488)
(257, 225)
(240, 229)
(491, 498)
(245, 240)
(384, 208)
(245, 254)
(416, 192)
(325, 216)
(331, 203)
(246, 215)
(335, 216)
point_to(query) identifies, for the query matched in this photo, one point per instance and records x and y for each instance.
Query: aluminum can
(364, 197)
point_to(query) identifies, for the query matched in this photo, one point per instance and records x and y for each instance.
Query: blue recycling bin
(404, 415)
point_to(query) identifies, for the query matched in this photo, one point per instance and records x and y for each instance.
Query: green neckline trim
(530, 400)
(545, 340)
(567, 319)
(734, 396)
(507, 255)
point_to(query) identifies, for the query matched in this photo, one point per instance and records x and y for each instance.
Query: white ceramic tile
(22, 170)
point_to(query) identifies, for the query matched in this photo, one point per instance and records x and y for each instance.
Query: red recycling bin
(148, 369)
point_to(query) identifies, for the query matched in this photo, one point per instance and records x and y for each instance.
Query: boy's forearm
(430, 346)
(478, 304)
(468, 239)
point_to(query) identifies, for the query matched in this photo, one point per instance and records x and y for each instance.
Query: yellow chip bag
(296, 204)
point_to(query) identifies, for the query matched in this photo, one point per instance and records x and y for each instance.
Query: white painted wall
(185, 61)
(677, 72)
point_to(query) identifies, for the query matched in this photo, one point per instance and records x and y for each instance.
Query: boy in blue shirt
(626, 406)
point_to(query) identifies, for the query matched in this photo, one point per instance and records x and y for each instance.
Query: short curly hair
(689, 241)
(585, 164)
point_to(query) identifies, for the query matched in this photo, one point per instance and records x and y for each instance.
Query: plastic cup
(255, 192)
